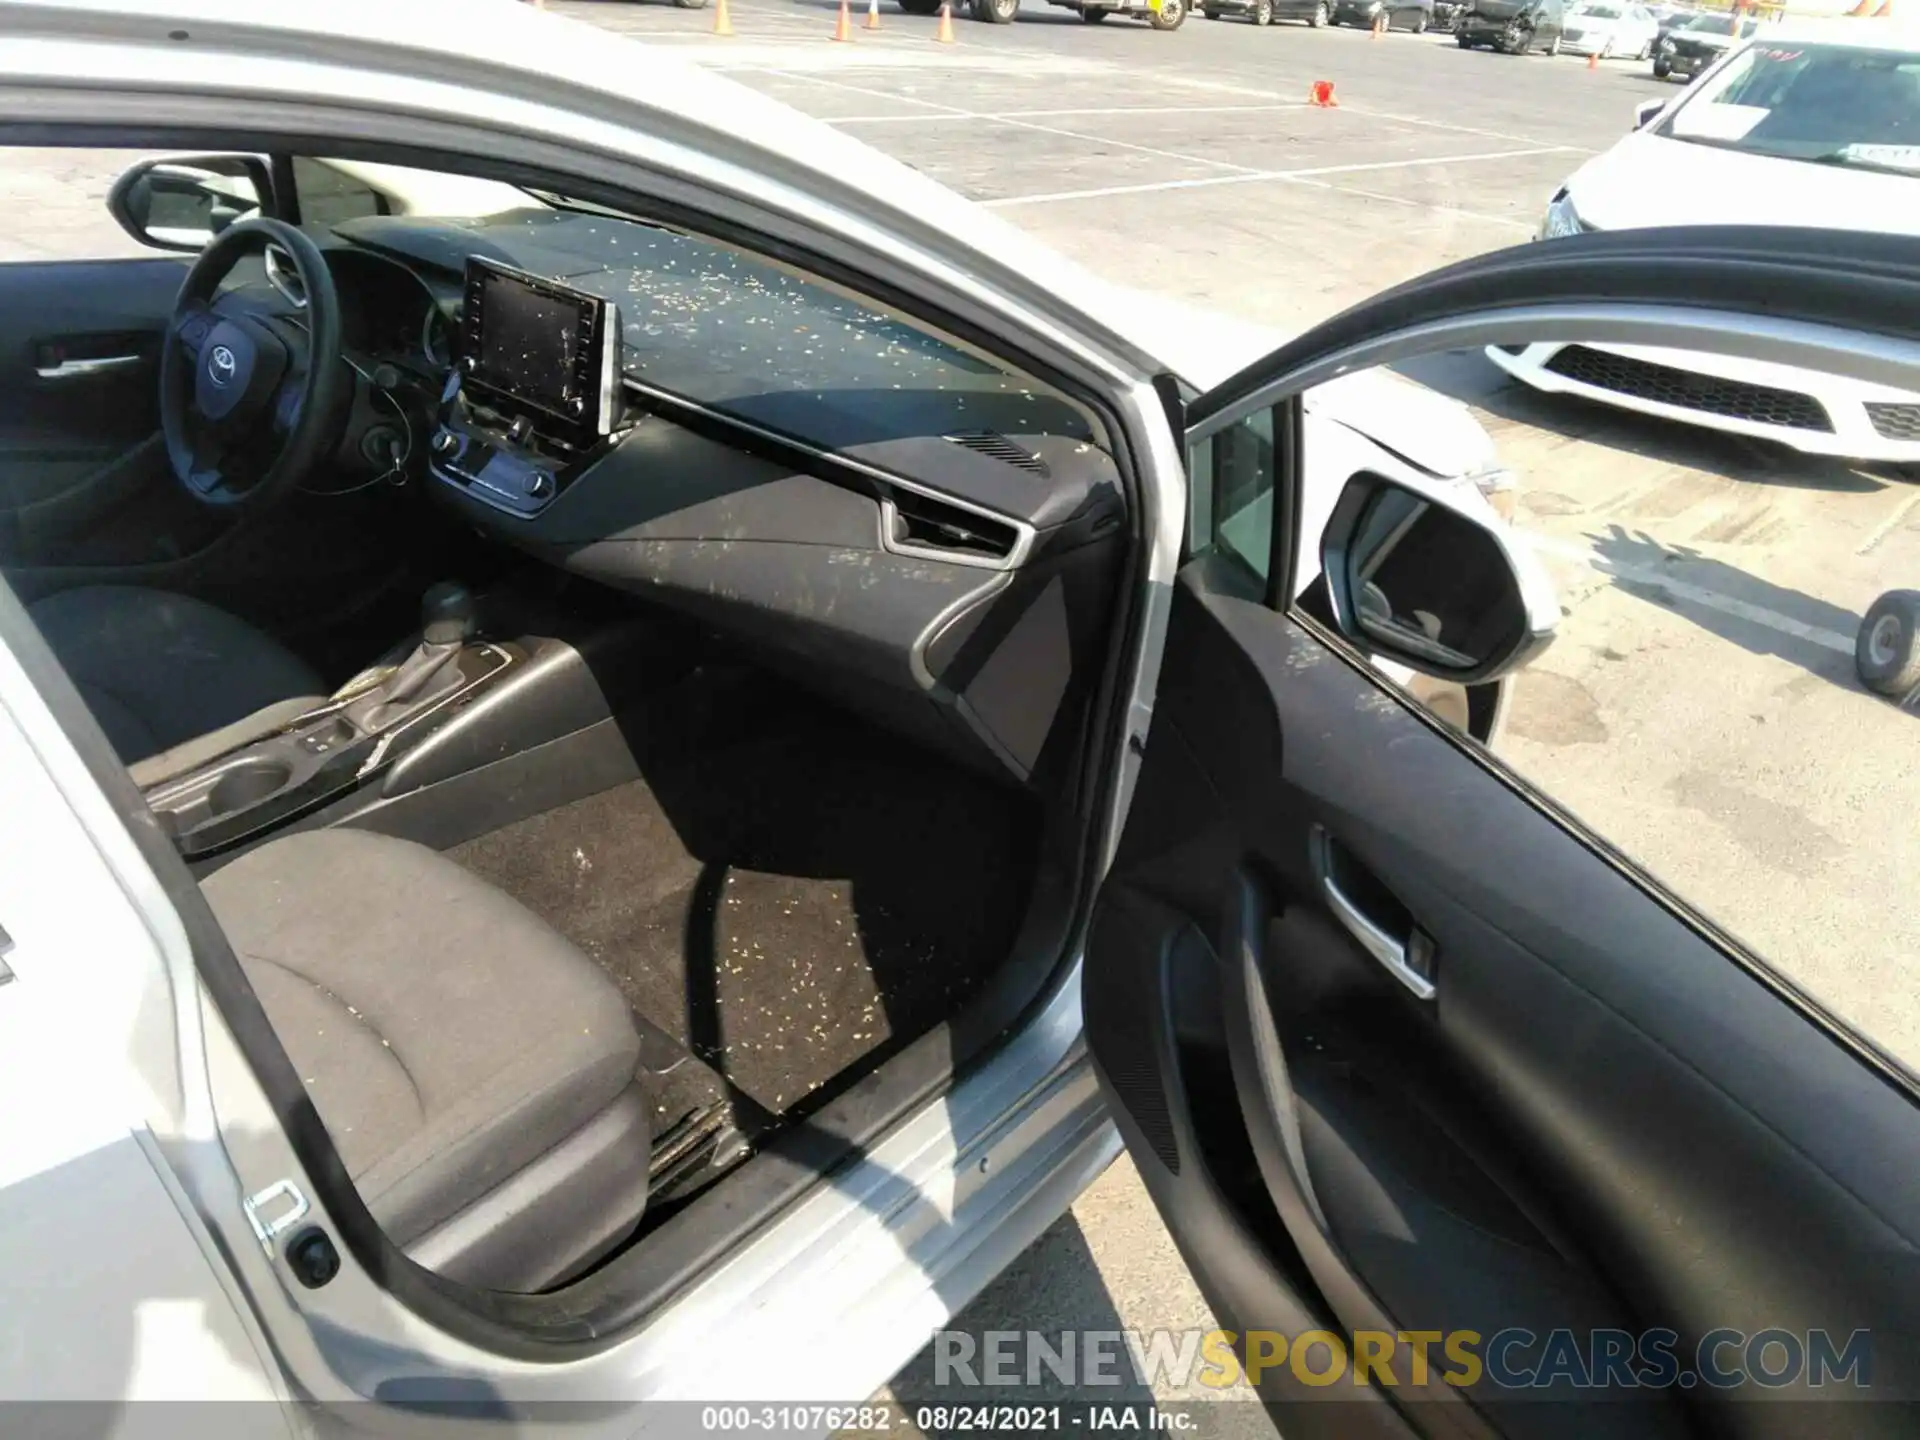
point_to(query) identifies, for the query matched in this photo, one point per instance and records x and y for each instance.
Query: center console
(535, 398)
(358, 732)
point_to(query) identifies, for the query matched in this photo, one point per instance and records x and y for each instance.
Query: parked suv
(1414, 15)
(1515, 26)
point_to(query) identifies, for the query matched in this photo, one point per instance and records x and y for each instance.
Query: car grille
(1895, 419)
(1736, 399)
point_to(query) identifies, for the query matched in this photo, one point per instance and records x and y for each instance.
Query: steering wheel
(250, 403)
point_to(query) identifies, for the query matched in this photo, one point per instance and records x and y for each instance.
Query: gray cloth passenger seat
(476, 1071)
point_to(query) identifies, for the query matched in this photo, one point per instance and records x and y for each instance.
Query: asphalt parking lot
(1700, 707)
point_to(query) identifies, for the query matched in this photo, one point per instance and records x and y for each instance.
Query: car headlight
(1562, 219)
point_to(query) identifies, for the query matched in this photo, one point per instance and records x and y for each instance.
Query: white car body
(1609, 28)
(133, 1265)
(1650, 179)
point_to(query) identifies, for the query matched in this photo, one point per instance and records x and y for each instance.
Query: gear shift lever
(449, 617)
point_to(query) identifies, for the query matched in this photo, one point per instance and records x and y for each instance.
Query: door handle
(1410, 961)
(84, 369)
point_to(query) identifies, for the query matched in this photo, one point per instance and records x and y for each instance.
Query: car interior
(626, 700)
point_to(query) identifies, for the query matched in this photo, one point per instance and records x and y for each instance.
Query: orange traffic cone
(945, 33)
(1885, 12)
(1379, 26)
(1321, 94)
(873, 14)
(843, 27)
(722, 21)
(1593, 60)
(1865, 7)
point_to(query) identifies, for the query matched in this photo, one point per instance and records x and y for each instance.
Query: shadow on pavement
(1634, 557)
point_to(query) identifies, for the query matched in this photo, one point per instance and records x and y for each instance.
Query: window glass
(1843, 105)
(328, 196)
(53, 205)
(1732, 546)
(1232, 475)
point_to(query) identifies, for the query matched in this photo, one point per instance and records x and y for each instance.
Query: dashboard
(913, 526)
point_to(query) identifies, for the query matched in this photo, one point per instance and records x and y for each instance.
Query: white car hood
(1649, 180)
(1205, 348)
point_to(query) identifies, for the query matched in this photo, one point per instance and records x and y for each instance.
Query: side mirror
(181, 204)
(1644, 112)
(1431, 578)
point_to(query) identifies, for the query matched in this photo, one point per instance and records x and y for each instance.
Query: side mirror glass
(181, 204)
(1416, 576)
(1645, 111)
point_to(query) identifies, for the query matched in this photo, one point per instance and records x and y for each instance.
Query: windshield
(1597, 12)
(1710, 25)
(1830, 104)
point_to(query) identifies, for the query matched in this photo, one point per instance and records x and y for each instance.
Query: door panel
(1407, 1053)
(79, 348)
(1592, 1066)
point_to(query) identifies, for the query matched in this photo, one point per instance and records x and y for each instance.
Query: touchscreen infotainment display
(539, 343)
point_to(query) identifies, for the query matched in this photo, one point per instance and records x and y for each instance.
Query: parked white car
(1814, 124)
(1610, 28)
(469, 1025)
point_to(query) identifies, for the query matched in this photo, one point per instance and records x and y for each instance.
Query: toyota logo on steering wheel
(221, 365)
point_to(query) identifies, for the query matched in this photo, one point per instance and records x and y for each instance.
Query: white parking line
(1253, 177)
(1693, 594)
(1077, 111)
(1524, 226)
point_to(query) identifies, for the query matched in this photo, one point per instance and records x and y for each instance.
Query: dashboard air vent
(935, 527)
(998, 447)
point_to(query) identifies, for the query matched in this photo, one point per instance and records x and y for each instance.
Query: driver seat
(173, 681)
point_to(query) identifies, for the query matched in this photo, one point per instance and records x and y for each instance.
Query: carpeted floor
(790, 893)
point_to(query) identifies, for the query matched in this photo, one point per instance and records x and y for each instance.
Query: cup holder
(247, 784)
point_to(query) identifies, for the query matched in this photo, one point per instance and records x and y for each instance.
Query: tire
(1884, 650)
(1094, 17)
(1465, 42)
(1320, 16)
(1210, 14)
(691, 4)
(1171, 15)
(996, 12)
(1263, 12)
(920, 7)
(1662, 69)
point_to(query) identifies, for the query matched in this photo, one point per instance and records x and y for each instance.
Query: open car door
(1467, 1122)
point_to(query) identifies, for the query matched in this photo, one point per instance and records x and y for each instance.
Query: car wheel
(1318, 19)
(1662, 69)
(1094, 17)
(920, 7)
(998, 12)
(1211, 14)
(1263, 12)
(1169, 16)
(1465, 42)
(1884, 651)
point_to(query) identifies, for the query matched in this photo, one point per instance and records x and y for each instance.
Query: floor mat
(790, 893)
